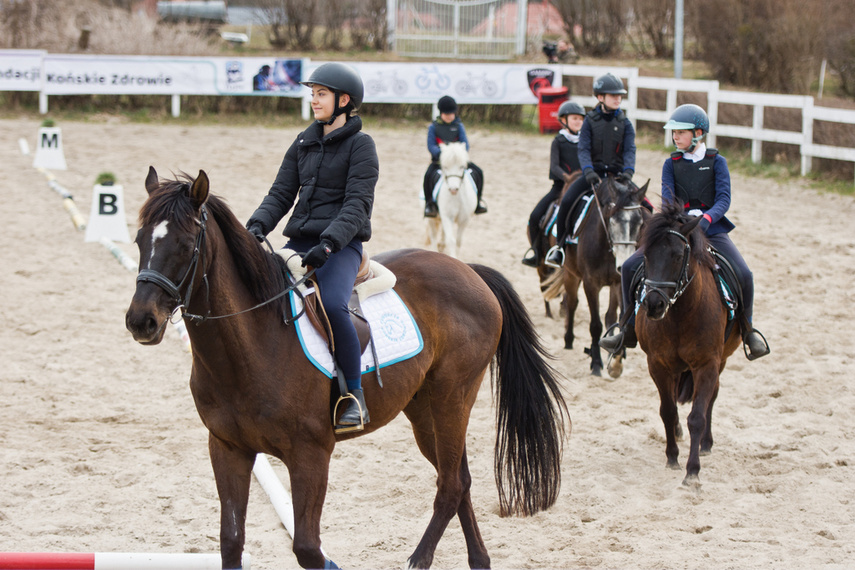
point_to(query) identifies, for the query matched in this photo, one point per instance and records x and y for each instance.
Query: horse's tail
(531, 409)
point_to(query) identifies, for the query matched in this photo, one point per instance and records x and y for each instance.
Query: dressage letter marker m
(49, 153)
(107, 216)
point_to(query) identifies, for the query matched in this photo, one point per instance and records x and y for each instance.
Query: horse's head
(622, 210)
(673, 246)
(170, 241)
(453, 161)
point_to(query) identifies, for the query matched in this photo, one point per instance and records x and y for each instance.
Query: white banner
(20, 70)
(485, 83)
(148, 75)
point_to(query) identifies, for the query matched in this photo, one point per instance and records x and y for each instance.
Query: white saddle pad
(393, 329)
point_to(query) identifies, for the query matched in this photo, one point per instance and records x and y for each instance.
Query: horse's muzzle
(145, 322)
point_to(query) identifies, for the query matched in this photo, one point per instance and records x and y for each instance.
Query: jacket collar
(315, 133)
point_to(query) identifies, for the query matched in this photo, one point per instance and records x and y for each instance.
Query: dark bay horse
(681, 326)
(256, 391)
(606, 238)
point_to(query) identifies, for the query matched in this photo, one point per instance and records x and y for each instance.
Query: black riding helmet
(340, 78)
(446, 104)
(571, 108)
(610, 84)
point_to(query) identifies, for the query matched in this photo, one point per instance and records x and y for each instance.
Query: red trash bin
(549, 100)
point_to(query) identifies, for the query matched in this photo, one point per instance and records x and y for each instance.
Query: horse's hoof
(692, 482)
(596, 371)
(615, 368)
(673, 465)
(706, 451)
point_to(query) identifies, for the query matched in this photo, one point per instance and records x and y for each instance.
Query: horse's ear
(151, 180)
(199, 189)
(687, 228)
(643, 190)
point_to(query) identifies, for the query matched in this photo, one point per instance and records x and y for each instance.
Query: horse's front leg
(309, 475)
(232, 471)
(665, 382)
(615, 366)
(592, 293)
(706, 388)
(571, 303)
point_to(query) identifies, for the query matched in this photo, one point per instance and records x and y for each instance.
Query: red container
(549, 100)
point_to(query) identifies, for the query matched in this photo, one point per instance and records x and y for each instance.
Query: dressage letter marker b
(49, 153)
(107, 216)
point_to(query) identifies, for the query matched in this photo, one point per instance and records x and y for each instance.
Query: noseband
(682, 282)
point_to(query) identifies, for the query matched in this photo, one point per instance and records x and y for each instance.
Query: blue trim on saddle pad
(393, 328)
(728, 297)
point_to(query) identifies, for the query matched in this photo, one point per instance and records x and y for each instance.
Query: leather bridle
(682, 282)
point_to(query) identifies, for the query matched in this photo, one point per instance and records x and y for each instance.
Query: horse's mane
(672, 217)
(259, 270)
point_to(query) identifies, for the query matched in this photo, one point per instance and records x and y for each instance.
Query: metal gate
(475, 29)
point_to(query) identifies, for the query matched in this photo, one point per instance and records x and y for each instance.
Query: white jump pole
(278, 495)
(114, 561)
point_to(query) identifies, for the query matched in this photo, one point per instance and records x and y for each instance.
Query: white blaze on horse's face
(159, 232)
(622, 235)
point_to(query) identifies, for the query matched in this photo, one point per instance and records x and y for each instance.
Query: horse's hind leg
(707, 439)
(232, 471)
(452, 495)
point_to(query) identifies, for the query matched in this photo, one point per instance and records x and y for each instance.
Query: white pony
(456, 200)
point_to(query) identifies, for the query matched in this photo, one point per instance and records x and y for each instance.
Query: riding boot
(481, 208)
(431, 210)
(356, 412)
(624, 338)
(757, 345)
(533, 259)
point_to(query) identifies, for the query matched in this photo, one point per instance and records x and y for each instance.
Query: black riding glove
(255, 230)
(592, 177)
(626, 175)
(318, 255)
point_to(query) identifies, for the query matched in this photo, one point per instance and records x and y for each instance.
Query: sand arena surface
(101, 449)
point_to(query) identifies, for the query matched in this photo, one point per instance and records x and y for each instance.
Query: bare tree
(654, 20)
(602, 24)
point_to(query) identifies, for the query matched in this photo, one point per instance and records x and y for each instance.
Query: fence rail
(22, 70)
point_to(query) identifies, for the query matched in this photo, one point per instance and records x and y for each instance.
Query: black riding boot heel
(756, 343)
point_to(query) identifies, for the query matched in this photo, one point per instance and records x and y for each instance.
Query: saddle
(575, 216)
(372, 278)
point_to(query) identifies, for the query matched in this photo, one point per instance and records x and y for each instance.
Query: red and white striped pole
(112, 561)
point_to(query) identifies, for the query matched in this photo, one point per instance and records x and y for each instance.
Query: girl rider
(698, 177)
(332, 167)
(563, 162)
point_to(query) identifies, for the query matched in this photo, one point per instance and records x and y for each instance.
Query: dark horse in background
(682, 325)
(606, 238)
(256, 391)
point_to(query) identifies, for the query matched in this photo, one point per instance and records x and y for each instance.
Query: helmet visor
(672, 124)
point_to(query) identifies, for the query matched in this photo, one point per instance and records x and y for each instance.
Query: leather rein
(188, 280)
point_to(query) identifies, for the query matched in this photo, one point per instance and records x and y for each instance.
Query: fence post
(712, 114)
(670, 105)
(176, 105)
(756, 143)
(807, 135)
(43, 103)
